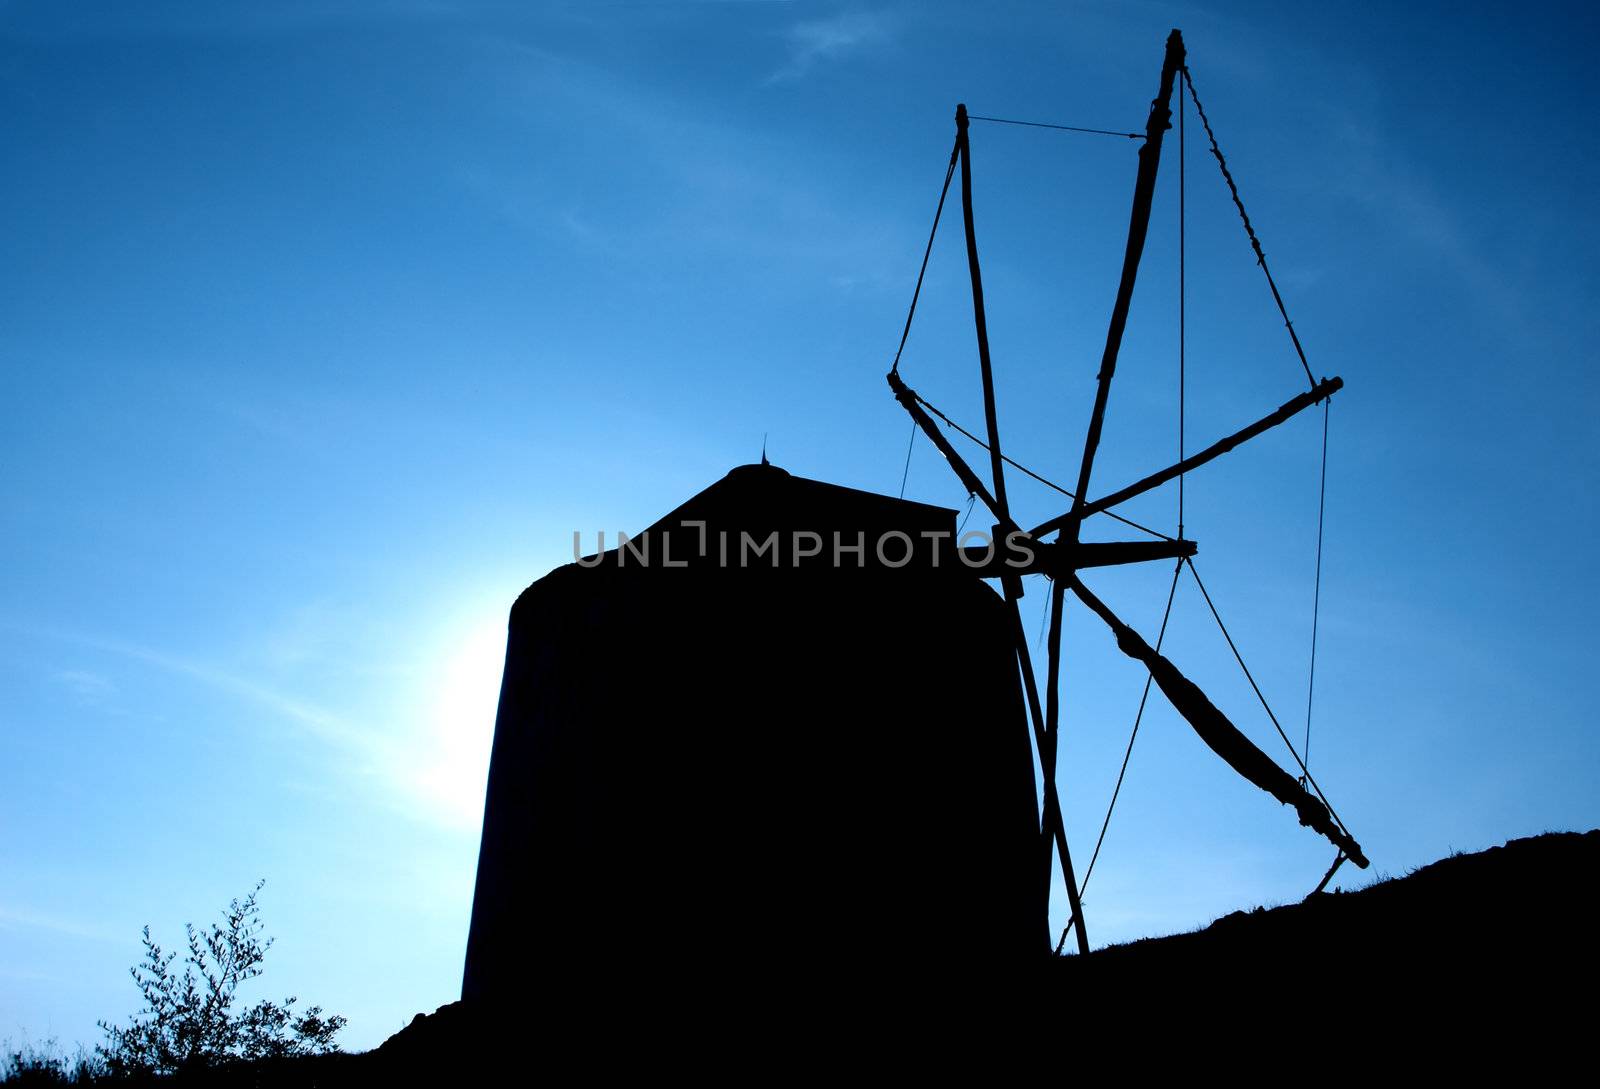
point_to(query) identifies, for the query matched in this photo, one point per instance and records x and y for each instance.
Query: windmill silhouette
(722, 742)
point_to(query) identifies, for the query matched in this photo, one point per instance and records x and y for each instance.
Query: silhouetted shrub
(189, 1022)
(43, 1065)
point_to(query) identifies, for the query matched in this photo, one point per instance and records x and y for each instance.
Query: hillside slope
(1503, 936)
(1528, 888)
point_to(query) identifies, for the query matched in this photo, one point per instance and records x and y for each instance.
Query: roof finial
(764, 460)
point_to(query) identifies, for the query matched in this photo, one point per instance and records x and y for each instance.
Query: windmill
(1063, 556)
(719, 739)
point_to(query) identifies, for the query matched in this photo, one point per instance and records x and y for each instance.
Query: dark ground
(1484, 964)
(1484, 960)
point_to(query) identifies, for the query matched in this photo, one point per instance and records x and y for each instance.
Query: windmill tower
(752, 733)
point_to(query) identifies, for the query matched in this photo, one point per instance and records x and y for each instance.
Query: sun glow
(461, 721)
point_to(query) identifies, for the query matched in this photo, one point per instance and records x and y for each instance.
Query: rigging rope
(972, 501)
(926, 253)
(1265, 706)
(1316, 593)
(906, 474)
(1339, 860)
(1063, 128)
(1255, 243)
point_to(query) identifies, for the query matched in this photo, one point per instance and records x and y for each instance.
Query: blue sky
(325, 325)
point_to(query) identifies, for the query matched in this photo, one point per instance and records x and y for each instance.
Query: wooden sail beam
(1059, 560)
(980, 320)
(1144, 188)
(1321, 391)
(1221, 735)
(1115, 553)
(1052, 828)
(1138, 226)
(1047, 759)
(969, 479)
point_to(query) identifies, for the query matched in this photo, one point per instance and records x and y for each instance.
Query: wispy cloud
(88, 688)
(323, 723)
(20, 918)
(718, 184)
(316, 720)
(436, 756)
(823, 41)
(205, 20)
(1379, 173)
(443, 769)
